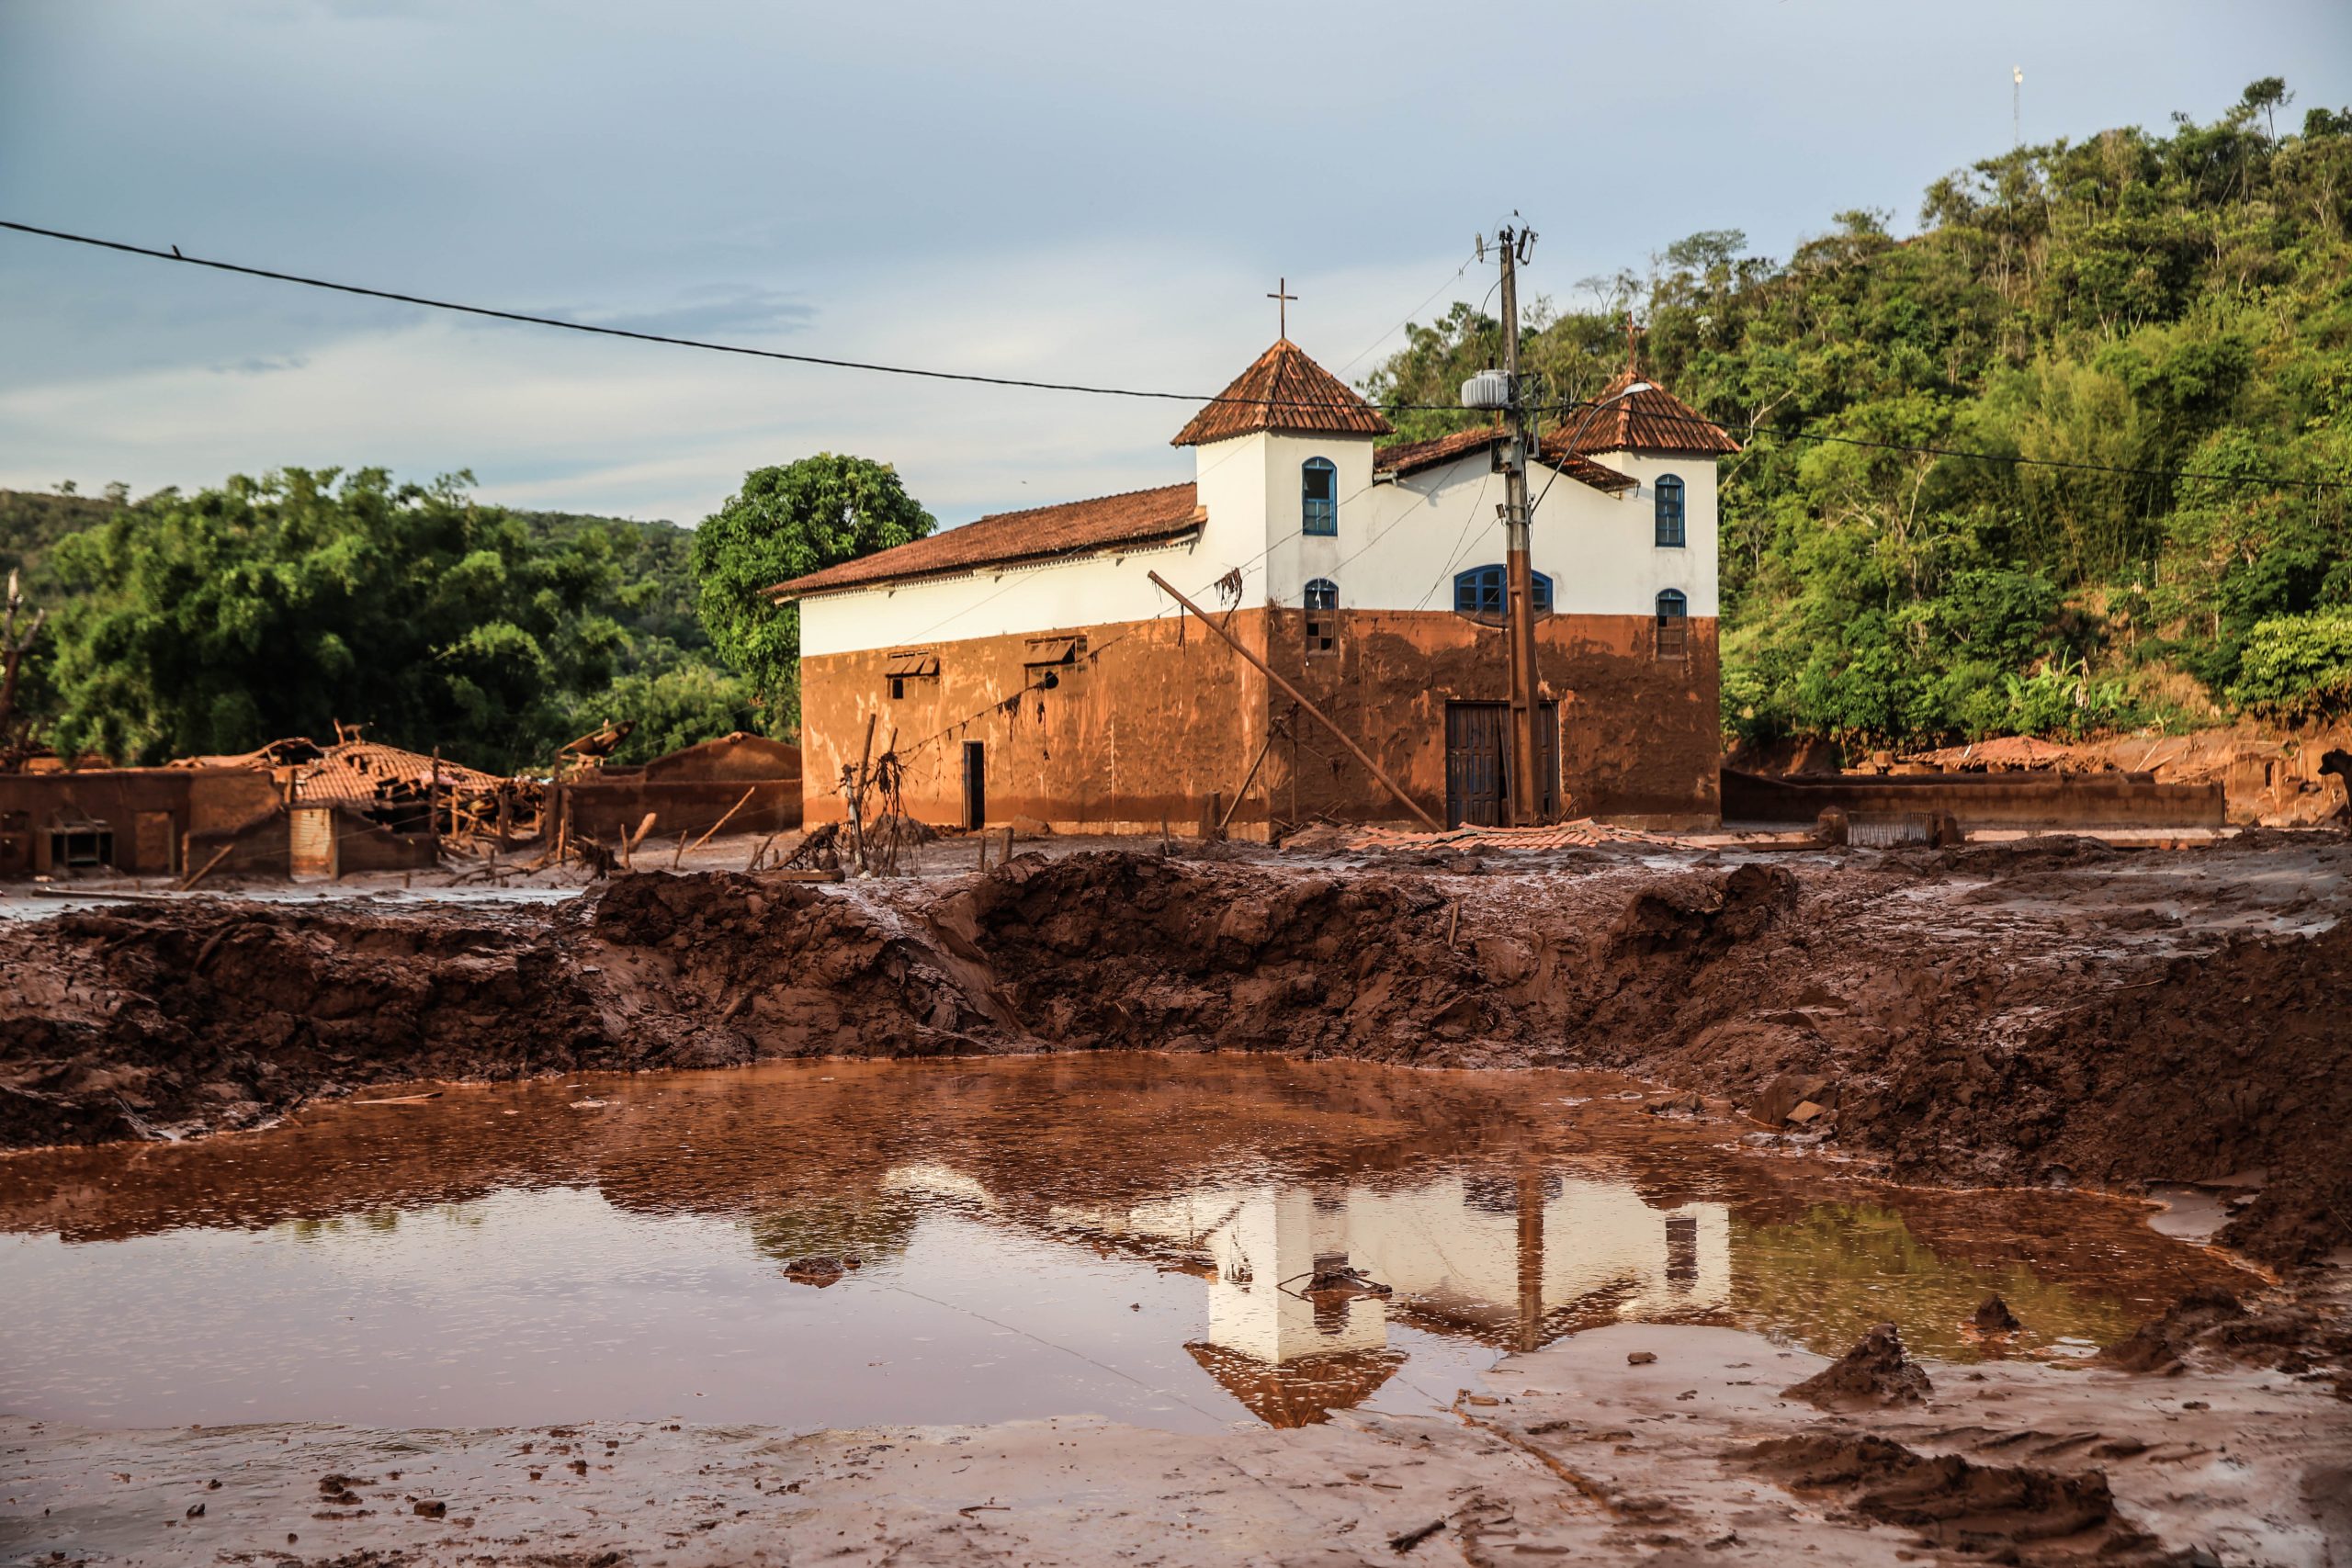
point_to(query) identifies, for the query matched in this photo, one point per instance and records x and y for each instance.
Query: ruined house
(1024, 665)
(749, 782)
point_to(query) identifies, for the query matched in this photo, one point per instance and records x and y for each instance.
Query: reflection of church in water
(1512, 1259)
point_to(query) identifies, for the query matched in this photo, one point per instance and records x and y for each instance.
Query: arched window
(1318, 497)
(1322, 617)
(1483, 594)
(1673, 623)
(1669, 511)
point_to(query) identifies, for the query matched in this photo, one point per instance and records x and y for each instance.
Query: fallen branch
(714, 827)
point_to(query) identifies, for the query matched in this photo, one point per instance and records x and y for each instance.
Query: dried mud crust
(2056, 1012)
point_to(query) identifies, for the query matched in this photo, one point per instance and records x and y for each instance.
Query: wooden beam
(1358, 752)
(722, 822)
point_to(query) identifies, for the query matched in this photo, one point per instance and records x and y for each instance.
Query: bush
(2296, 667)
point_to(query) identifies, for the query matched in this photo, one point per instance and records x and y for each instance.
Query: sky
(1095, 193)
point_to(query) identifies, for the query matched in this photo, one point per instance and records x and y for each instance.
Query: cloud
(258, 365)
(711, 310)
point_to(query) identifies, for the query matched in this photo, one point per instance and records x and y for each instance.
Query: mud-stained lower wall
(1640, 735)
(1156, 717)
(1146, 723)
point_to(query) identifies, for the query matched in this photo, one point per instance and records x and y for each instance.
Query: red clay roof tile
(1412, 457)
(1136, 517)
(1653, 420)
(1283, 390)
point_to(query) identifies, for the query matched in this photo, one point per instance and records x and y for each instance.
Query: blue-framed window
(1318, 497)
(1669, 511)
(1322, 617)
(1485, 591)
(1673, 623)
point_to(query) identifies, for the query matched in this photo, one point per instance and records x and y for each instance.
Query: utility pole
(1526, 796)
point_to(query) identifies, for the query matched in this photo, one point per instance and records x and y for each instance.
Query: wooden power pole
(1526, 794)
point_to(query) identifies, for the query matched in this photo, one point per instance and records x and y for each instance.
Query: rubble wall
(604, 808)
(196, 801)
(1980, 800)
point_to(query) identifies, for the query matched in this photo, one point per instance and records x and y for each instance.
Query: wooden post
(630, 840)
(216, 860)
(714, 827)
(857, 795)
(432, 806)
(1358, 752)
(1247, 780)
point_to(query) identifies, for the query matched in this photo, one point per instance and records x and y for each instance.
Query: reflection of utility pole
(1531, 1257)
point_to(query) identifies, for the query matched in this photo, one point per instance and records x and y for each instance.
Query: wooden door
(1475, 737)
(1477, 763)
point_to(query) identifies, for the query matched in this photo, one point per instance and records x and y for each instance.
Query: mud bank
(1576, 1453)
(2055, 1011)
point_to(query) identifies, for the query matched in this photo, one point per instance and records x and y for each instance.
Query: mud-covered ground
(1668, 1444)
(2055, 1010)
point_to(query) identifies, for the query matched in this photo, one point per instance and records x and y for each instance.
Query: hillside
(2151, 303)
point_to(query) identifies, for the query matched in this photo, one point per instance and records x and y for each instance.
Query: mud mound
(1874, 1372)
(2013, 1514)
(2159, 1346)
(1702, 915)
(218, 1015)
(733, 968)
(1108, 951)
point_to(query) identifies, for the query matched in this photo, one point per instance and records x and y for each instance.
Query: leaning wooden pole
(1295, 694)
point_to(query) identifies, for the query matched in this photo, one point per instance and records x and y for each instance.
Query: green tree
(2118, 309)
(785, 522)
(688, 702)
(215, 622)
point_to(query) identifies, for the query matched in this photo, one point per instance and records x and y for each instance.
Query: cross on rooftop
(1282, 298)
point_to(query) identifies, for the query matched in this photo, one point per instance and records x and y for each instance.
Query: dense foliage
(212, 623)
(2165, 302)
(785, 522)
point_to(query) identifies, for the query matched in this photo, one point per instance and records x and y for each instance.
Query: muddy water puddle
(1137, 1236)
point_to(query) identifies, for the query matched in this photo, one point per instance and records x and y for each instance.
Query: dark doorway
(976, 784)
(1477, 761)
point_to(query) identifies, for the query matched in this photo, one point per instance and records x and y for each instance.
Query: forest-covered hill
(2167, 302)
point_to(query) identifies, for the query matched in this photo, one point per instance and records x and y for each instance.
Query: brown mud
(1645, 1443)
(2057, 1011)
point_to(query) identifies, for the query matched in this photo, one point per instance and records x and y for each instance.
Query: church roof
(1283, 390)
(1412, 457)
(1007, 538)
(1653, 420)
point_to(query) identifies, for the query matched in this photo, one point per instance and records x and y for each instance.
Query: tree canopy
(2148, 302)
(785, 522)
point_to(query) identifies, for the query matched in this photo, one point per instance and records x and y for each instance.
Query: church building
(1025, 665)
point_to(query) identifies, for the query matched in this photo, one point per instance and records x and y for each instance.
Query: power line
(526, 318)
